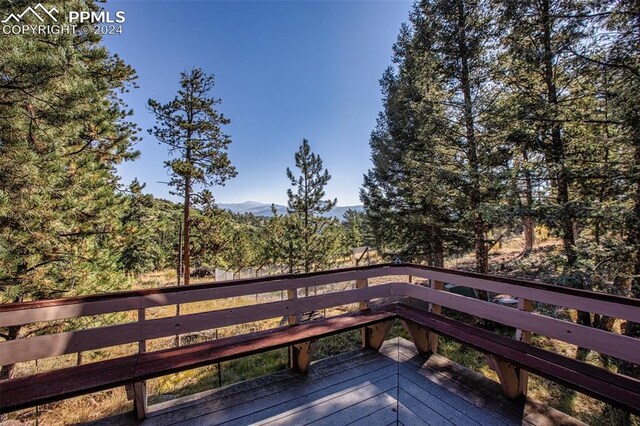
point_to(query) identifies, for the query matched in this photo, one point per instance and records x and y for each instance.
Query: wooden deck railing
(145, 328)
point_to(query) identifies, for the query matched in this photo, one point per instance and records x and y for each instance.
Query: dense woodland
(499, 116)
(507, 115)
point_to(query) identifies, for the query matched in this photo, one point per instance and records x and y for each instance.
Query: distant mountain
(262, 209)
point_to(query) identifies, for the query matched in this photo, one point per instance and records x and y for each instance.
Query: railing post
(362, 305)
(292, 295)
(524, 336)
(140, 388)
(436, 309)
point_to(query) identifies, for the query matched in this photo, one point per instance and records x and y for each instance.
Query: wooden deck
(394, 386)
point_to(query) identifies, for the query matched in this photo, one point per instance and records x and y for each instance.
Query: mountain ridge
(263, 209)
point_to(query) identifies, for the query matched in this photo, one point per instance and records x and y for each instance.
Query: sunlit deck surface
(393, 387)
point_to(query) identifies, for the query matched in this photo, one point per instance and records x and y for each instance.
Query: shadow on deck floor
(396, 386)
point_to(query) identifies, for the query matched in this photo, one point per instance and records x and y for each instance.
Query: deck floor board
(365, 388)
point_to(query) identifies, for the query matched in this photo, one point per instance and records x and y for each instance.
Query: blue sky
(284, 70)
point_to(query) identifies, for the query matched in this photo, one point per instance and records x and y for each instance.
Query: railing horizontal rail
(589, 301)
(82, 340)
(30, 312)
(77, 341)
(454, 276)
(613, 344)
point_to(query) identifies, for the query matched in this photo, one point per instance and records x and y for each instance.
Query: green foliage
(436, 176)
(63, 130)
(312, 240)
(151, 229)
(192, 129)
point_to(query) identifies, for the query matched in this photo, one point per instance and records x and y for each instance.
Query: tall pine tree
(192, 129)
(63, 129)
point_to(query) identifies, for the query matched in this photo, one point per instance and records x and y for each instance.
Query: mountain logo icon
(43, 12)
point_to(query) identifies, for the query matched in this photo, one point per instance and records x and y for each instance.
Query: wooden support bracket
(301, 355)
(423, 339)
(509, 376)
(140, 400)
(374, 335)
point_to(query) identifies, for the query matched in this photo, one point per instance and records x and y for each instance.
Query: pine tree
(192, 128)
(615, 57)
(438, 172)
(306, 205)
(63, 129)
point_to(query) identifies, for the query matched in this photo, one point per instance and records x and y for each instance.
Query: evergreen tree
(139, 253)
(614, 56)
(63, 129)
(306, 205)
(211, 231)
(192, 128)
(438, 174)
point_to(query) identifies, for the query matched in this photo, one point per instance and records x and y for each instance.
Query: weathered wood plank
(361, 408)
(35, 311)
(326, 376)
(444, 409)
(60, 384)
(417, 385)
(364, 304)
(383, 416)
(524, 336)
(375, 334)
(302, 354)
(428, 414)
(508, 375)
(470, 386)
(407, 418)
(420, 336)
(290, 403)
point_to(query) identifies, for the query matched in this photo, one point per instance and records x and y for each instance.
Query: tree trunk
(438, 252)
(556, 158)
(479, 225)
(556, 154)
(185, 248)
(529, 227)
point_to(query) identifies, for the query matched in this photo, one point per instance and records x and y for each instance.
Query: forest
(501, 119)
